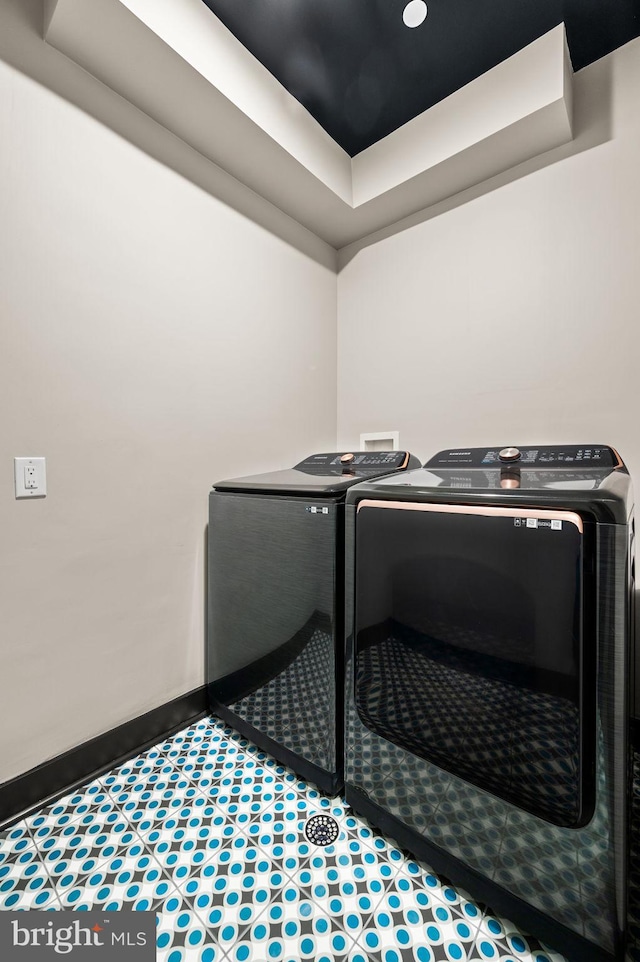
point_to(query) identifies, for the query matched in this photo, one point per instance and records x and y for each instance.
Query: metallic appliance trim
(489, 512)
(620, 463)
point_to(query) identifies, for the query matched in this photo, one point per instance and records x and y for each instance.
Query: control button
(509, 454)
(347, 458)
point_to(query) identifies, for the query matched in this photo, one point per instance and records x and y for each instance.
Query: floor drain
(321, 830)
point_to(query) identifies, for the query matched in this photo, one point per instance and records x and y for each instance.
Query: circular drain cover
(321, 830)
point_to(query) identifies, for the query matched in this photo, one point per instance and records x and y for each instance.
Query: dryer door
(469, 647)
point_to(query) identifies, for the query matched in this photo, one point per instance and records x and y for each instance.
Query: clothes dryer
(489, 623)
(276, 606)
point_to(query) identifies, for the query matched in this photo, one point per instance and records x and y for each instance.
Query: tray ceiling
(183, 68)
(361, 73)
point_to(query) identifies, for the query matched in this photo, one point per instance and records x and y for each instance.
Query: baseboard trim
(45, 783)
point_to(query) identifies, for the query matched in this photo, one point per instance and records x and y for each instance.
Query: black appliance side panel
(615, 612)
(272, 618)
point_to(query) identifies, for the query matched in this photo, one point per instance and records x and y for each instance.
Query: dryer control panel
(555, 456)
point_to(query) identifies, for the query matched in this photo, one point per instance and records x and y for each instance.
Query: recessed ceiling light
(414, 13)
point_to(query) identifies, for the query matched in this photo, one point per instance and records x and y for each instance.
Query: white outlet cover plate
(19, 465)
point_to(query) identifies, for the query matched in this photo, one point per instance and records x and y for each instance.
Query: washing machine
(489, 630)
(276, 606)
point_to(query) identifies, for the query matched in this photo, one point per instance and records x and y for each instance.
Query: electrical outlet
(30, 477)
(30, 480)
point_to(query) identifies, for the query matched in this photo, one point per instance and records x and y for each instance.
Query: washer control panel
(356, 462)
(556, 456)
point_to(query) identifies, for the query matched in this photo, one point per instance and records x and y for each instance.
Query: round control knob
(509, 454)
(347, 458)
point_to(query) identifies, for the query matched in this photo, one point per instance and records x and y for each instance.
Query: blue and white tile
(348, 879)
(236, 792)
(405, 923)
(291, 929)
(237, 851)
(42, 827)
(202, 769)
(246, 809)
(16, 842)
(107, 838)
(385, 849)
(137, 770)
(121, 883)
(280, 833)
(163, 753)
(500, 936)
(19, 865)
(177, 807)
(72, 854)
(218, 742)
(224, 737)
(57, 815)
(238, 789)
(82, 799)
(487, 950)
(155, 802)
(225, 823)
(26, 886)
(233, 889)
(181, 853)
(440, 888)
(89, 797)
(358, 827)
(138, 781)
(181, 935)
(225, 763)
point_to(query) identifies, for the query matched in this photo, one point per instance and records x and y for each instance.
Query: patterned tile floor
(208, 831)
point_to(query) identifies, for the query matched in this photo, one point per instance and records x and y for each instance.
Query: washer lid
(324, 474)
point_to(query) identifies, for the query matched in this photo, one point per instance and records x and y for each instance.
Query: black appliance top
(591, 477)
(324, 474)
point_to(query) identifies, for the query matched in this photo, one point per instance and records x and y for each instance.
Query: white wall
(152, 341)
(514, 317)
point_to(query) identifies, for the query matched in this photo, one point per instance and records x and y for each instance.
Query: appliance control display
(556, 456)
(356, 462)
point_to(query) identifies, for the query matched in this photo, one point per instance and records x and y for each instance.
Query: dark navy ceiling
(362, 73)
